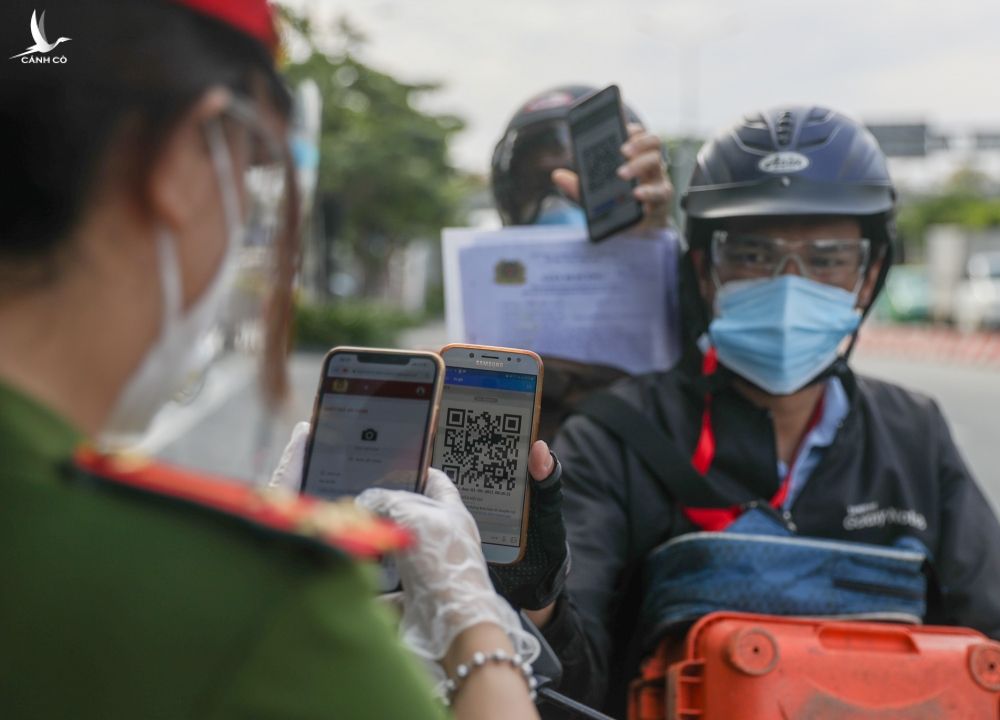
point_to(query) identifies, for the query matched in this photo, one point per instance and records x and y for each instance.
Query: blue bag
(756, 565)
(759, 566)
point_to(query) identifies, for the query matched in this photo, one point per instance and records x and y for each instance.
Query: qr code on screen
(481, 449)
(600, 161)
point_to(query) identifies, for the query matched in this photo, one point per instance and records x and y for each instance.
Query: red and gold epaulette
(341, 525)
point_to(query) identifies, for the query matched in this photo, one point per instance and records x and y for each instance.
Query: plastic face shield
(253, 317)
(264, 164)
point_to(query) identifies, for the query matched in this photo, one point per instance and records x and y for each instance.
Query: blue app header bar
(490, 379)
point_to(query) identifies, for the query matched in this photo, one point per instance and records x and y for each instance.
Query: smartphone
(597, 132)
(487, 424)
(373, 423)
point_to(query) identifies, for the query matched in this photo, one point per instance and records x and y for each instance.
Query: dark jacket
(123, 602)
(892, 469)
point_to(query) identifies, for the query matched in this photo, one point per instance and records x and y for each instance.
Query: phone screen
(482, 444)
(598, 133)
(372, 418)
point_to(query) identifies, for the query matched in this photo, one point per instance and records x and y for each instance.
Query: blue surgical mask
(780, 333)
(557, 210)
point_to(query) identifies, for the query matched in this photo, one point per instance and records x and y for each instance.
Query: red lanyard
(715, 519)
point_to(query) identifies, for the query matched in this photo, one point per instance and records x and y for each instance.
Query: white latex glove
(446, 587)
(288, 474)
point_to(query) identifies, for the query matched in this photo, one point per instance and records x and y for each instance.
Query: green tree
(383, 163)
(967, 199)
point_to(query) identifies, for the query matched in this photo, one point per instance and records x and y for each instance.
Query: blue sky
(690, 64)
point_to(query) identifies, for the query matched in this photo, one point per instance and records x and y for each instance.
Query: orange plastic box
(738, 666)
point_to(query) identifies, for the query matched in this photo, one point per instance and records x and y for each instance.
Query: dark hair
(133, 67)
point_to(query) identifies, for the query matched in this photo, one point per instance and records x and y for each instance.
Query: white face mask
(174, 356)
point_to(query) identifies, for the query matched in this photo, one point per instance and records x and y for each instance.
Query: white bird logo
(38, 33)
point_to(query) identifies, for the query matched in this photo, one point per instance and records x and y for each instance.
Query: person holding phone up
(133, 173)
(534, 182)
(532, 168)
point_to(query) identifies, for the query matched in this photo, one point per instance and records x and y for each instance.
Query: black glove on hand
(537, 580)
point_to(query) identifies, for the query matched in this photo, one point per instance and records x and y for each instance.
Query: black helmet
(790, 160)
(535, 142)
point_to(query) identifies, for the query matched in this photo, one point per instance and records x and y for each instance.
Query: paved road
(224, 431)
(970, 398)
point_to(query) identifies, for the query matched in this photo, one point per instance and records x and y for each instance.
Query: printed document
(551, 290)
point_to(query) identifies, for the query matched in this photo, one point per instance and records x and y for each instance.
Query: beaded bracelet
(451, 686)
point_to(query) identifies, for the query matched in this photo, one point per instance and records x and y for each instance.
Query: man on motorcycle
(790, 236)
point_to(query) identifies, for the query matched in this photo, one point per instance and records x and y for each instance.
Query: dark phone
(597, 129)
(373, 421)
(372, 426)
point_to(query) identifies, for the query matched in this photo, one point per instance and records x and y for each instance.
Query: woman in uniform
(142, 147)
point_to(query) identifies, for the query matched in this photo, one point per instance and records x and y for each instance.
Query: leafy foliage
(967, 200)
(384, 164)
(321, 327)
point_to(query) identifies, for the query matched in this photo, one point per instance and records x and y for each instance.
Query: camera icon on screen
(369, 435)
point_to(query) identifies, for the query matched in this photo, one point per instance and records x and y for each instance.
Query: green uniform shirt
(115, 604)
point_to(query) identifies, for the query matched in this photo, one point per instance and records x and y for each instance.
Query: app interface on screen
(482, 445)
(370, 426)
(599, 138)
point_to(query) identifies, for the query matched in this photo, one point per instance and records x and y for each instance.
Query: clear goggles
(833, 261)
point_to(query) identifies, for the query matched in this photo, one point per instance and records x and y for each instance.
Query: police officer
(790, 232)
(136, 591)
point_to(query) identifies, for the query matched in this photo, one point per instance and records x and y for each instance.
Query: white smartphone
(487, 424)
